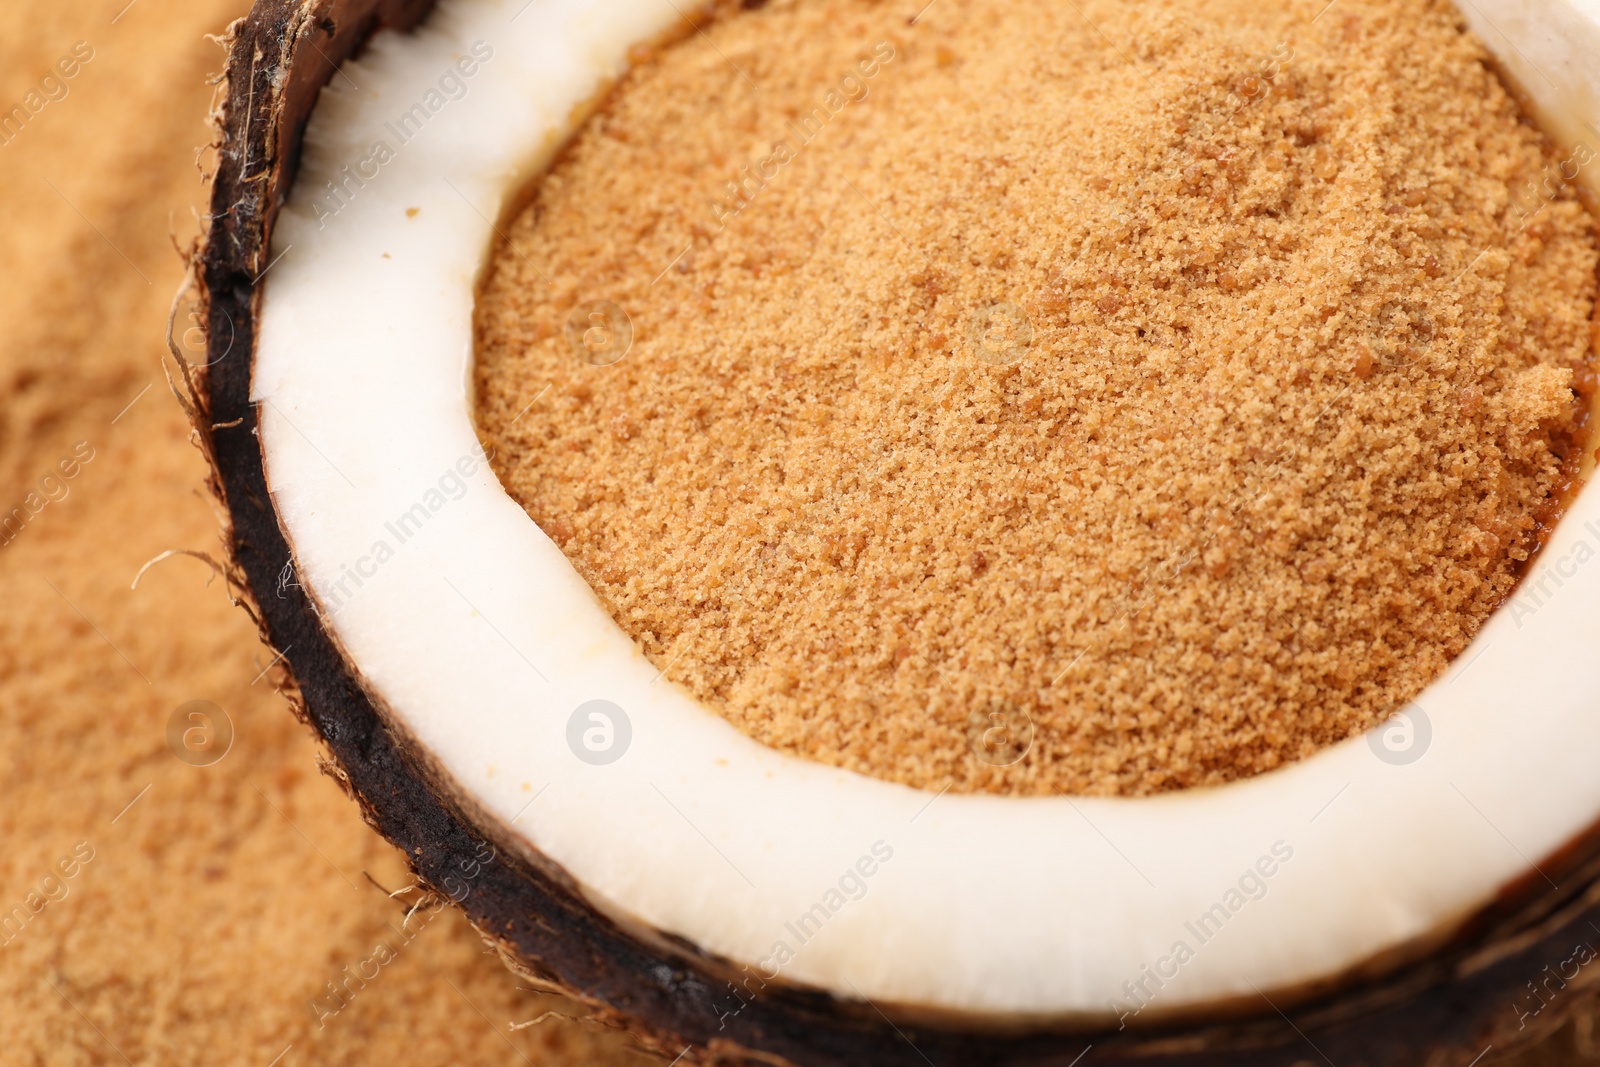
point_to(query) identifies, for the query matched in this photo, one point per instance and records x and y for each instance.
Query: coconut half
(1398, 895)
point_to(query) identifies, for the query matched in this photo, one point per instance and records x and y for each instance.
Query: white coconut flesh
(477, 635)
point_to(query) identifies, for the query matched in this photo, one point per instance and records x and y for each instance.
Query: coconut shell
(1478, 990)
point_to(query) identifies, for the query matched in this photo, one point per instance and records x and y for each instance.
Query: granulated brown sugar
(1185, 380)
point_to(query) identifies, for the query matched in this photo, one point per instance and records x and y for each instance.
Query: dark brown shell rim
(1505, 980)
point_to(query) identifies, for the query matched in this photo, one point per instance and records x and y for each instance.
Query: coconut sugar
(1176, 389)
